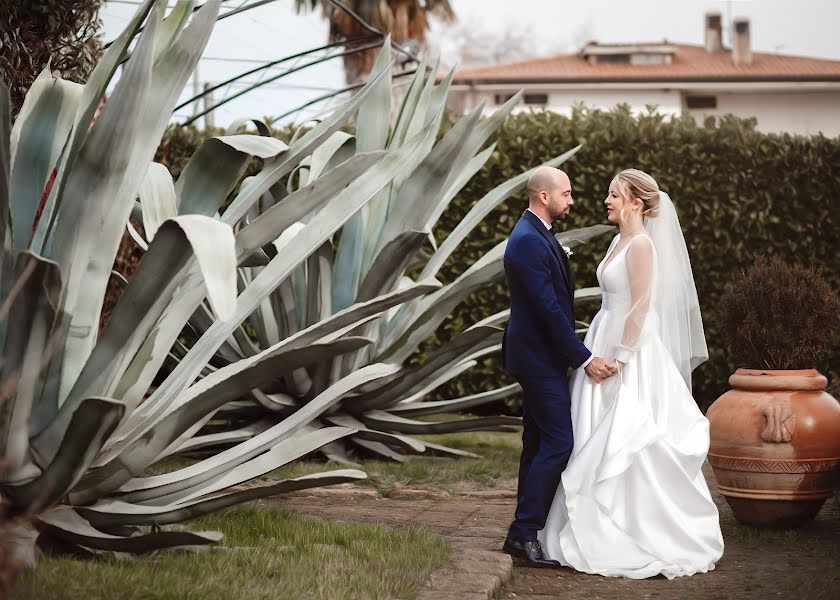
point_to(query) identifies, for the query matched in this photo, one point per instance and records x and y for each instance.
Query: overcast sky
(799, 27)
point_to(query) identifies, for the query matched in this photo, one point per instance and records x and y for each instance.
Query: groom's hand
(599, 369)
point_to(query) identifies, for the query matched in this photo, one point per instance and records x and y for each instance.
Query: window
(701, 102)
(541, 99)
(502, 98)
(613, 58)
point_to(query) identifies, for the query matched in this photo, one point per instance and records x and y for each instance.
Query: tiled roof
(689, 63)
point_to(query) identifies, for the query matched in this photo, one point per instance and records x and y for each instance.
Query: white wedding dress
(633, 501)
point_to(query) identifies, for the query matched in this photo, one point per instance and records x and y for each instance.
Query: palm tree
(403, 19)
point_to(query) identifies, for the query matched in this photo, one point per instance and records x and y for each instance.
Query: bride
(632, 501)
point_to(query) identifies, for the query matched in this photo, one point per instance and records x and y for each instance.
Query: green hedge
(738, 193)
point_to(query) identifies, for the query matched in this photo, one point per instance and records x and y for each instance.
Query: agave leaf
(439, 449)
(297, 151)
(281, 454)
(430, 313)
(101, 188)
(421, 113)
(442, 358)
(575, 237)
(116, 512)
(157, 199)
(220, 438)
(410, 208)
(388, 267)
(441, 376)
(38, 137)
(481, 209)
(583, 294)
(216, 167)
(464, 176)
(380, 449)
(173, 25)
(373, 123)
(374, 118)
(201, 400)
(66, 524)
(92, 423)
(92, 95)
(383, 420)
(5, 160)
(109, 370)
(325, 153)
(33, 318)
(371, 435)
(390, 264)
(416, 409)
(348, 262)
(296, 205)
(409, 103)
(26, 109)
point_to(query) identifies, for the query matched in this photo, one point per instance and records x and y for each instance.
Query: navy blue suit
(539, 346)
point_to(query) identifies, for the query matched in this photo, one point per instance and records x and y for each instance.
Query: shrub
(778, 315)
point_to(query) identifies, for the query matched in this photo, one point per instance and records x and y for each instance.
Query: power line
(273, 63)
(269, 80)
(334, 93)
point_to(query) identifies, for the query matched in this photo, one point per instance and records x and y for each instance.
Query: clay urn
(775, 446)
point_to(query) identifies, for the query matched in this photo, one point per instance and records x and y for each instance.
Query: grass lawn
(499, 462)
(266, 554)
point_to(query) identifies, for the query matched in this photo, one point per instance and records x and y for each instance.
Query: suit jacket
(540, 338)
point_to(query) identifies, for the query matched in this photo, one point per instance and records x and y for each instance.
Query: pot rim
(778, 379)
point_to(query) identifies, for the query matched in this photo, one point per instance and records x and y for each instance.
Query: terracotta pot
(775, 446)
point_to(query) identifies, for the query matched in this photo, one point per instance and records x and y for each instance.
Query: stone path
(800, 564)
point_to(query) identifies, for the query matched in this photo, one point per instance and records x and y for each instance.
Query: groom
(539, 346)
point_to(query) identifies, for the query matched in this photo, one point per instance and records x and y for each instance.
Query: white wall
(804, 113)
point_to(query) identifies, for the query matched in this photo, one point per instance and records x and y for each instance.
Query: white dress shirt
(548, 226)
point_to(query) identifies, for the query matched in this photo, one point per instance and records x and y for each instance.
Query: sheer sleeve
(640, 263)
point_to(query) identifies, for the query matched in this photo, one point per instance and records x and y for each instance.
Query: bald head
(546, 179)
(549, 193)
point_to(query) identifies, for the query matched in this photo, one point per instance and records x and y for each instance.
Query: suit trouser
(547, 443)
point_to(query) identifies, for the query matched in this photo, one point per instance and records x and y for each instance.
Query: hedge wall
(738, 193)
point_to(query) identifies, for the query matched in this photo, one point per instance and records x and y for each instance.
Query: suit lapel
(555, 247)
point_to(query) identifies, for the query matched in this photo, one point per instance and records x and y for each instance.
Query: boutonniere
(568, 251)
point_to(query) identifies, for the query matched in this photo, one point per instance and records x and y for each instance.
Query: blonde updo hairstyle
(633, 183)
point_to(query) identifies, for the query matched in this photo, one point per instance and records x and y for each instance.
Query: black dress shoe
(514, 548)
(535, 556)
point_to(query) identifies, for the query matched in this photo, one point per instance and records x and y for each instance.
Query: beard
(557, 213)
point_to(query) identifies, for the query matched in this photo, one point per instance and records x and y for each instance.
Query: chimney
(741, 52)
(714, 38)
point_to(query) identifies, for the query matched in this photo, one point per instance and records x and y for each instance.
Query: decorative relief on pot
(759, 465)
(779, 421)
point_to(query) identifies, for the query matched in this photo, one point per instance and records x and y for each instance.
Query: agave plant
(375, 250)
(80, 420)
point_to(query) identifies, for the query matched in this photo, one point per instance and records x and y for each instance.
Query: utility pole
(209, 121)
(196, 86)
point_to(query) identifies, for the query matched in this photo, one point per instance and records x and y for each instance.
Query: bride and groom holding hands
(610, 477)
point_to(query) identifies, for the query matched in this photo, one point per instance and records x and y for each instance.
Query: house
(784, 93)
